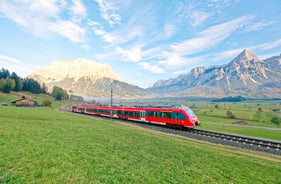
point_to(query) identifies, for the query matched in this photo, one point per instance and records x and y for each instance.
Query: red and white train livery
(172, 116)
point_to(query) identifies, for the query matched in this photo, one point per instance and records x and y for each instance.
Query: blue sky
(142, 40)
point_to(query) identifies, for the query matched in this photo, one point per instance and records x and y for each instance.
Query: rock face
(76, 69)
(246, 75)
(86, 77)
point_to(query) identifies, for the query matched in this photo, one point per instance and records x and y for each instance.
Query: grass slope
(45, 146)
(248, 110)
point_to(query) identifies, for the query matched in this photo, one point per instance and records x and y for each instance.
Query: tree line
(13, 82)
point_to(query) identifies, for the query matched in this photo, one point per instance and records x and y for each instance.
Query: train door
(142, 115)
(175, 117)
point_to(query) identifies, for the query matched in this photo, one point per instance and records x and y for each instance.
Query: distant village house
(275, 110)
(24, 102)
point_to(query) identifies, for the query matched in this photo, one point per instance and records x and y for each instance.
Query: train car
(177, 116)
(78, 108)
(174, 116)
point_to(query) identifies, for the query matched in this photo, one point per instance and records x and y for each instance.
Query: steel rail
(239, 138)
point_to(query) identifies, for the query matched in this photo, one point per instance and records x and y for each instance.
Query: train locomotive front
(175, 116)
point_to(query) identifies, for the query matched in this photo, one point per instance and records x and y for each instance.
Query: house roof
(22, 99)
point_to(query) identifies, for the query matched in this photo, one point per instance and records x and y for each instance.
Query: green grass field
(208, 114)
(248, 110)
(41, 145)
(39, 98)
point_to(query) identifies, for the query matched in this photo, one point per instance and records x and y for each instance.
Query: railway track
(258, 144)
(268, 144)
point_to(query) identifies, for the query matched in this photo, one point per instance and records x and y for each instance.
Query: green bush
(229, 114)
(276, 120)
(46, 103)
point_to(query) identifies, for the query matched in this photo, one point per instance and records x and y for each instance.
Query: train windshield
(189, 111)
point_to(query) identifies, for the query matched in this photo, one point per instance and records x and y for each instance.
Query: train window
(128, 113)
(158, 114)
(175, 115)
(189, 111)
(149, 113)
(167, 114)
(182, 117)
(179, 116)
(90, 110)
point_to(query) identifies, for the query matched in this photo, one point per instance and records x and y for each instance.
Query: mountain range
(246, 75)
(85, 77)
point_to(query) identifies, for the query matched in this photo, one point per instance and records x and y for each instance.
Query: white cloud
(68, 30)
(269, 55)
(78, 10)
(180, 72)
(14, 65)
(229, 54)
(198, 17)
(108, 12)
(174, 60)
(195, 13)
(119, 36)
(269, 45)
(258, 25)
(9, 59)
(133, 55)
(43, 17)
(151, 67)
(106, 37)
(170, 30)
(209, 37)
(177, 55)
(86, 47)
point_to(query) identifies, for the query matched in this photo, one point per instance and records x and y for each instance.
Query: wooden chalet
(24, 102)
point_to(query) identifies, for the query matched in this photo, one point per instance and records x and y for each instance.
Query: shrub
(276, 120)
(46, 103)
(229, 114)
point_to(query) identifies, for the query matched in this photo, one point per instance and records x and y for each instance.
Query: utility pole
(111, 101)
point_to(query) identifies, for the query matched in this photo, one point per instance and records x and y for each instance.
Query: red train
(176, 116)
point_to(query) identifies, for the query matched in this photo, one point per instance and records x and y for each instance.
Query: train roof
(136, 107)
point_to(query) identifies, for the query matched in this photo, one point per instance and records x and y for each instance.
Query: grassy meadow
(42, 145)
(213, 116)
(39, 98)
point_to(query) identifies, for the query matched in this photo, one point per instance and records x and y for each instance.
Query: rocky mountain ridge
(246, 75)
(85, 77)
(76, 69)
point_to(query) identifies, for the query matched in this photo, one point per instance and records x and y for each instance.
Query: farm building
(24, 102)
